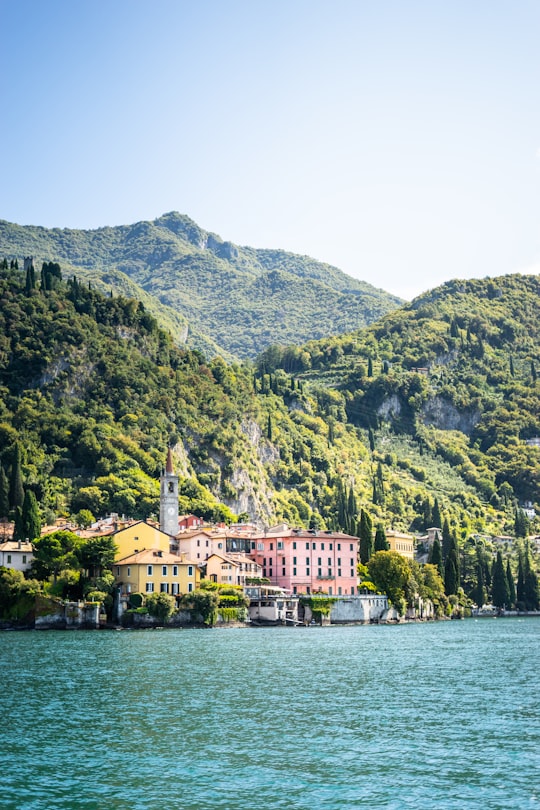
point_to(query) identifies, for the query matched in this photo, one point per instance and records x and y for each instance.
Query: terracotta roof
(152, 556)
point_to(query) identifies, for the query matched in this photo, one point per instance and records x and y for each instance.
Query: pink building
(305, 561)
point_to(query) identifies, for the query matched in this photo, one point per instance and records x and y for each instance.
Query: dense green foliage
(238, 298)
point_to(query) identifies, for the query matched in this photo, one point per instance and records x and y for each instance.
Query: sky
(396, 139)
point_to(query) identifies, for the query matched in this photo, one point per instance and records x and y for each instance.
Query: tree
(478, 593)
(511, 585)
(451, 570)
(521, 523)
(391, 573)
(30, 520)
(370, 367)
(381, 543)
(16, 489)
(54, 553)
(499, 583)
(446, 538)
(161, 605)
(435, 556)
(4, 494)
(365, 533)
(436, 515)
(96, 554)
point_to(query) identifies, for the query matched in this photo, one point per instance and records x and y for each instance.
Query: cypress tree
(521, 523)
(436, 515)
(269, 428)
(511, 585)
(478, 593)
(446, 538)
(366, 536)
(4, 494)
(428, 515)
(533, 371)
(371, 437)
(18, 532)
(520, 588)
(435, 556)
(16, 489)
(451, 569)
(512, 372)
(499, 584)
(31, 522)
(370, 367)
(381, 543)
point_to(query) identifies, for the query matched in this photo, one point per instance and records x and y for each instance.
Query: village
(278, 569)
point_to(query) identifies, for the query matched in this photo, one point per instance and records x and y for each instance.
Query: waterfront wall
(362, 609)
(53, 615)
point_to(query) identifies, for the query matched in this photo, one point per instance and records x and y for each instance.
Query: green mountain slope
(234, 299)
(453, 374)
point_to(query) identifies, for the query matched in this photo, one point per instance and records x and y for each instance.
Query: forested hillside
(424, 419)
(220, 297)
(451, 378)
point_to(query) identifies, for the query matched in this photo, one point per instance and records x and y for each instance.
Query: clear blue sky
(396, 139)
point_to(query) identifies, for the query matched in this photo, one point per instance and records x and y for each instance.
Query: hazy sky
(396, 139)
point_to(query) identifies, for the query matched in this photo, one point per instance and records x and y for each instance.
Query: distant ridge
(214, 295)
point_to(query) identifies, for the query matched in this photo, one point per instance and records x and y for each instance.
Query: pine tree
(381, 543)
(4, 494)
(365, 533)
(499, 584)
(511, 585)
(16, 489)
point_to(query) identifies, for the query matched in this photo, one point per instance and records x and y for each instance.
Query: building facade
(155, 571)
(306, 561)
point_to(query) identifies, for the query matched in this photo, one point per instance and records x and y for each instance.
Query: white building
(16, 554)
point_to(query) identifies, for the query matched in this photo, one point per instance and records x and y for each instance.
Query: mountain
(217, 296)
(452, 376)
(436, 402)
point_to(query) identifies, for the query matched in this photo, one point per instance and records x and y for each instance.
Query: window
(271, 546)
(220, 545)
(319, 560)
(171, 486)
(282, 572)
(307, 572)
(260, 546)
(331, 546)
(339, 546)
(129, 571)
(352, 563)
(198, 542)
(149, 587)
(351, 547)
(294, 572)
(190, 587)
(330, 590)
(314, 546)
(150, 570)
(339, 591)
(163, 570)
(339, 572)
(270, 572)
(329, 560)
(280, 545)
(307, 561)
(207, 544)
(352, 572)
(117, 570)
(307, 545)
(339, 560)
(294, 544)
(322, 546)
(175, 570)
(24, 558)
(319, 572)
(164, 587)
(329, 572)
(174, 588)
(294, 560)
(9, 558)
(190, 570)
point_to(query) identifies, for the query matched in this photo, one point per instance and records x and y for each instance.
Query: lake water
(443, 715)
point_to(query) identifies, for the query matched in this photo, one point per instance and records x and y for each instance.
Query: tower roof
(169, 467)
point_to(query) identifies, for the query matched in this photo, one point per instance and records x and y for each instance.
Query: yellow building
(138, 537)
(155, 571)
(232, 569)
(402, 543)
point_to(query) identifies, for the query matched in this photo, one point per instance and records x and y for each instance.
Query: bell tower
(168, 500)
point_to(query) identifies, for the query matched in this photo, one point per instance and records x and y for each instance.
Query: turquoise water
(425, 716)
